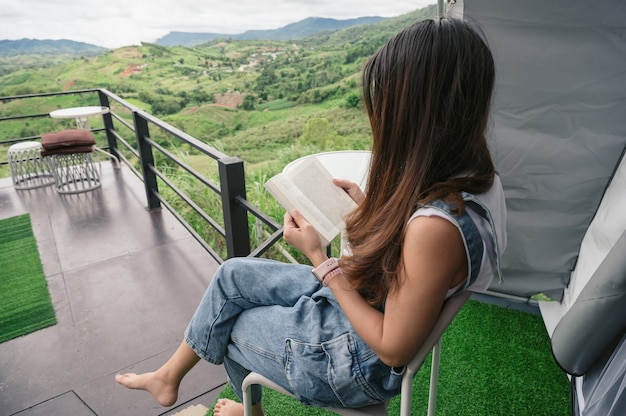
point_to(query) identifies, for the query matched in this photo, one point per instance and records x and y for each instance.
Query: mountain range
(48, 47)
(298, 30)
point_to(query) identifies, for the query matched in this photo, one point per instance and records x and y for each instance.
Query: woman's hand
(351, 189)
(301, 235)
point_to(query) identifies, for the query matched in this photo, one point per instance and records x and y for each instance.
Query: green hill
(253, 99)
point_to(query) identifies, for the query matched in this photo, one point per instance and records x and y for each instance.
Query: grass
(25, 304)
(494, 361)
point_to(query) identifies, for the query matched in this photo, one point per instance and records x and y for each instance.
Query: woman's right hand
(300, 234)
(351, 188)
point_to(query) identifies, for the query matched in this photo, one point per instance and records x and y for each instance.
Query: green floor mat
(25, 304)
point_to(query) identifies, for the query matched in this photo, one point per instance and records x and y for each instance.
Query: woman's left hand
(301, 235)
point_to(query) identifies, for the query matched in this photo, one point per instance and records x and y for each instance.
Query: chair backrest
(448, 311)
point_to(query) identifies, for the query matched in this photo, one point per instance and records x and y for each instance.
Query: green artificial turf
(25, 304)
(494, 361)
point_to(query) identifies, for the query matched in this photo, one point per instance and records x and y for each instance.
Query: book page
(308, 188)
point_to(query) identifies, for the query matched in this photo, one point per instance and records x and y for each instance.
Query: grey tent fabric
(558, 127)
(597, 319)
(558, 134)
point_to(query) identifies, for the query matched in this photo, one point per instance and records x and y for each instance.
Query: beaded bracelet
(330, 275)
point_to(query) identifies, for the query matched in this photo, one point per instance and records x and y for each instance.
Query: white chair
(433, 342)
(28, 169)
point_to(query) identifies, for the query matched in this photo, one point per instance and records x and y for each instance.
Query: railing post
(147, 161)
(108, 125)
(233, 185)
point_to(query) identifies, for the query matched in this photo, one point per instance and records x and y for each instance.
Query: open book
(308, 188)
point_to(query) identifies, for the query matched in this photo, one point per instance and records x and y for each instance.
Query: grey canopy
(559, 126)
(558, 137)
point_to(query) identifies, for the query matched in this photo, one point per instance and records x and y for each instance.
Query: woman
(430, 224)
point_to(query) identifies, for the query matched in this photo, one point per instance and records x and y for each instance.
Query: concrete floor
(124, 283)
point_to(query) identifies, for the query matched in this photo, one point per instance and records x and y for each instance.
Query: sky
(117, 23)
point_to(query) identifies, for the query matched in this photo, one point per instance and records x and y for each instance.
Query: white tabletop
(76, 112)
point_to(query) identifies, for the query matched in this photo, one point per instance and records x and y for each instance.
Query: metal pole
(440, 8)
(434, 378)
(233, 185)
(108, 126)
(147, 161)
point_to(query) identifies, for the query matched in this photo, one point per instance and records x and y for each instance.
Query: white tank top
(494, 201)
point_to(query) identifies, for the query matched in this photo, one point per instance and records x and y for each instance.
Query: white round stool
(28, 169)
(75, 172)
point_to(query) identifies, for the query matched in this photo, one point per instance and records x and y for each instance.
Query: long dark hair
(427, 94)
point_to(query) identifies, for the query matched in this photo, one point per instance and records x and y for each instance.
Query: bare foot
(164, 392)
(227, 407)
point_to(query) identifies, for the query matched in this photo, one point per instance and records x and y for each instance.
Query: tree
(317, 132)
(353, 100)
(248, 103)
(266, 78)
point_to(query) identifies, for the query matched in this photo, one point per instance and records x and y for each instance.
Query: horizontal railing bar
(48, 94)
(203, 147)
(124, 159)
(191, 203)
(126, 144)
(38, 115)
(183, 165)
(20, 139)
(267, 244)
(30, 138)
(124, 122)
(189, 228)
(267, 220)
(120, 100)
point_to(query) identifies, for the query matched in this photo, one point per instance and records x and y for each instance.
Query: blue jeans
(277, 320)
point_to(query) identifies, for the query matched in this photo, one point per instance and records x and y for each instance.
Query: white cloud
(116, 23)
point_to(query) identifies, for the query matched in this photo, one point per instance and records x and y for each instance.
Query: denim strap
(481, 210)
(471, 237)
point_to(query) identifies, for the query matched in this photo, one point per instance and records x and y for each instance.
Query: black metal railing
(137, 139)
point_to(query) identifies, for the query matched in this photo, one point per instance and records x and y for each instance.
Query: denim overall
(276, 319)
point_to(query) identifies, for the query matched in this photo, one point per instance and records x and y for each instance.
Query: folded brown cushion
(67, 138)
(67, 150)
